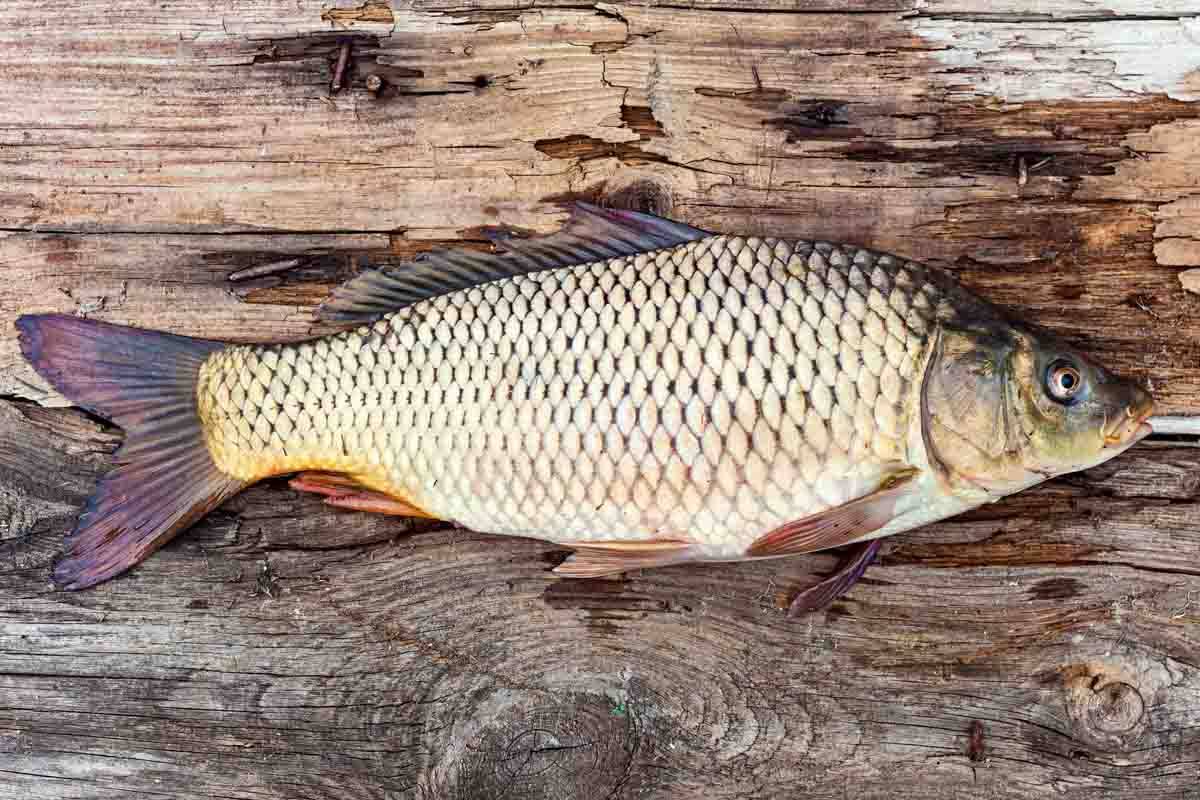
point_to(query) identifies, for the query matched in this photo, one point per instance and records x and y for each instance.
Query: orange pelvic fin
(603, 558)
(342, 491)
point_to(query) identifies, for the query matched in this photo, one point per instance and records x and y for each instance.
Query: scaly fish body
(712, 392)
(639, 390)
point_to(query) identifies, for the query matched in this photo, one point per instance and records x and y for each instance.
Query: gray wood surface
(1047, 152)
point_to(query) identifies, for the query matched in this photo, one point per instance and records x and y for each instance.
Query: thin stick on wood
(1176, 425)
(264, 269)
(339, 70)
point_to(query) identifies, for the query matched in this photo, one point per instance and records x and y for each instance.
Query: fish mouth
(1132, 428)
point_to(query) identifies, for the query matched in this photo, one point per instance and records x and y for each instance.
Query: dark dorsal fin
(591, 234)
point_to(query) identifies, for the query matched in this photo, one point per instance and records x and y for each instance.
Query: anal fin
(836, 526)
(612, 557)
(343, 491)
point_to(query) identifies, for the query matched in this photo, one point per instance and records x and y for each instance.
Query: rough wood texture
(1044, 647)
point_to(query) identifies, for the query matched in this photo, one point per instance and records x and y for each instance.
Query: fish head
(1006, 406)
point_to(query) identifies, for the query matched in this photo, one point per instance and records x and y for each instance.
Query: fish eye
(1064, 382)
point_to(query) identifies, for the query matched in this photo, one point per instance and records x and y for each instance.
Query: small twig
(1041, 163)
(339, 69)
(1187, 604)
(1140, 302)
(1023, 168)
(264, 269)
(1176, 425)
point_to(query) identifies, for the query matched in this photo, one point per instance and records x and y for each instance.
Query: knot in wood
(1116, 708)
(580, 747)
(1106, 714)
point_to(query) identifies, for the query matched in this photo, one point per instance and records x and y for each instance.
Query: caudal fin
(165, 479)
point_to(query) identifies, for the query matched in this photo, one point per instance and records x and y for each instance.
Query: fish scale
(711, 391)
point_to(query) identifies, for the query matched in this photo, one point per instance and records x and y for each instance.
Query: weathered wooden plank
(353, 162)
(250, 660)
(856, 127)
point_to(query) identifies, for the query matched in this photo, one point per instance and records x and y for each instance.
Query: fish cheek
(1043, 430)
(1057, 438)
(970, 425)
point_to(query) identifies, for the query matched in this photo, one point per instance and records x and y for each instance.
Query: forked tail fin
(165, 479)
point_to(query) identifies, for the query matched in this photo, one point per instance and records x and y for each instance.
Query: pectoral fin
(836, 526)
(603, 558)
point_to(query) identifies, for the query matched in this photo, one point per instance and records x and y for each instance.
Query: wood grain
(185, 166)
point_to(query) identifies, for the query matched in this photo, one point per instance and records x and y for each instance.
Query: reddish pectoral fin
(847, 574)
(837, 526)
(342, 491)
(603, 558)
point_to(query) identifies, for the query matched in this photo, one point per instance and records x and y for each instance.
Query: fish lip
(1140, 432)
(1131, 430)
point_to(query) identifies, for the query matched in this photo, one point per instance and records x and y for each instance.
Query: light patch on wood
(373, 11)
(1177, 233)
(1062, 9)
(1022, 61)
(1167, 167)
(1177, 252)
(1190, 280)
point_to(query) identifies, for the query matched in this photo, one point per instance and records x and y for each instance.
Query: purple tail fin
(165, 478)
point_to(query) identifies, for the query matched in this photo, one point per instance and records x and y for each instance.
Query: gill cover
(970, 428)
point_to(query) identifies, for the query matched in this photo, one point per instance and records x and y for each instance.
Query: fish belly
(709, 392)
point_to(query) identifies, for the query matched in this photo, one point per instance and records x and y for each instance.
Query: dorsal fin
(591, 234)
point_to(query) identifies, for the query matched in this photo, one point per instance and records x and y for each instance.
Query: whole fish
(636, 389)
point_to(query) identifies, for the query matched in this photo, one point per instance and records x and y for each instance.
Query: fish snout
(1132, 426)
